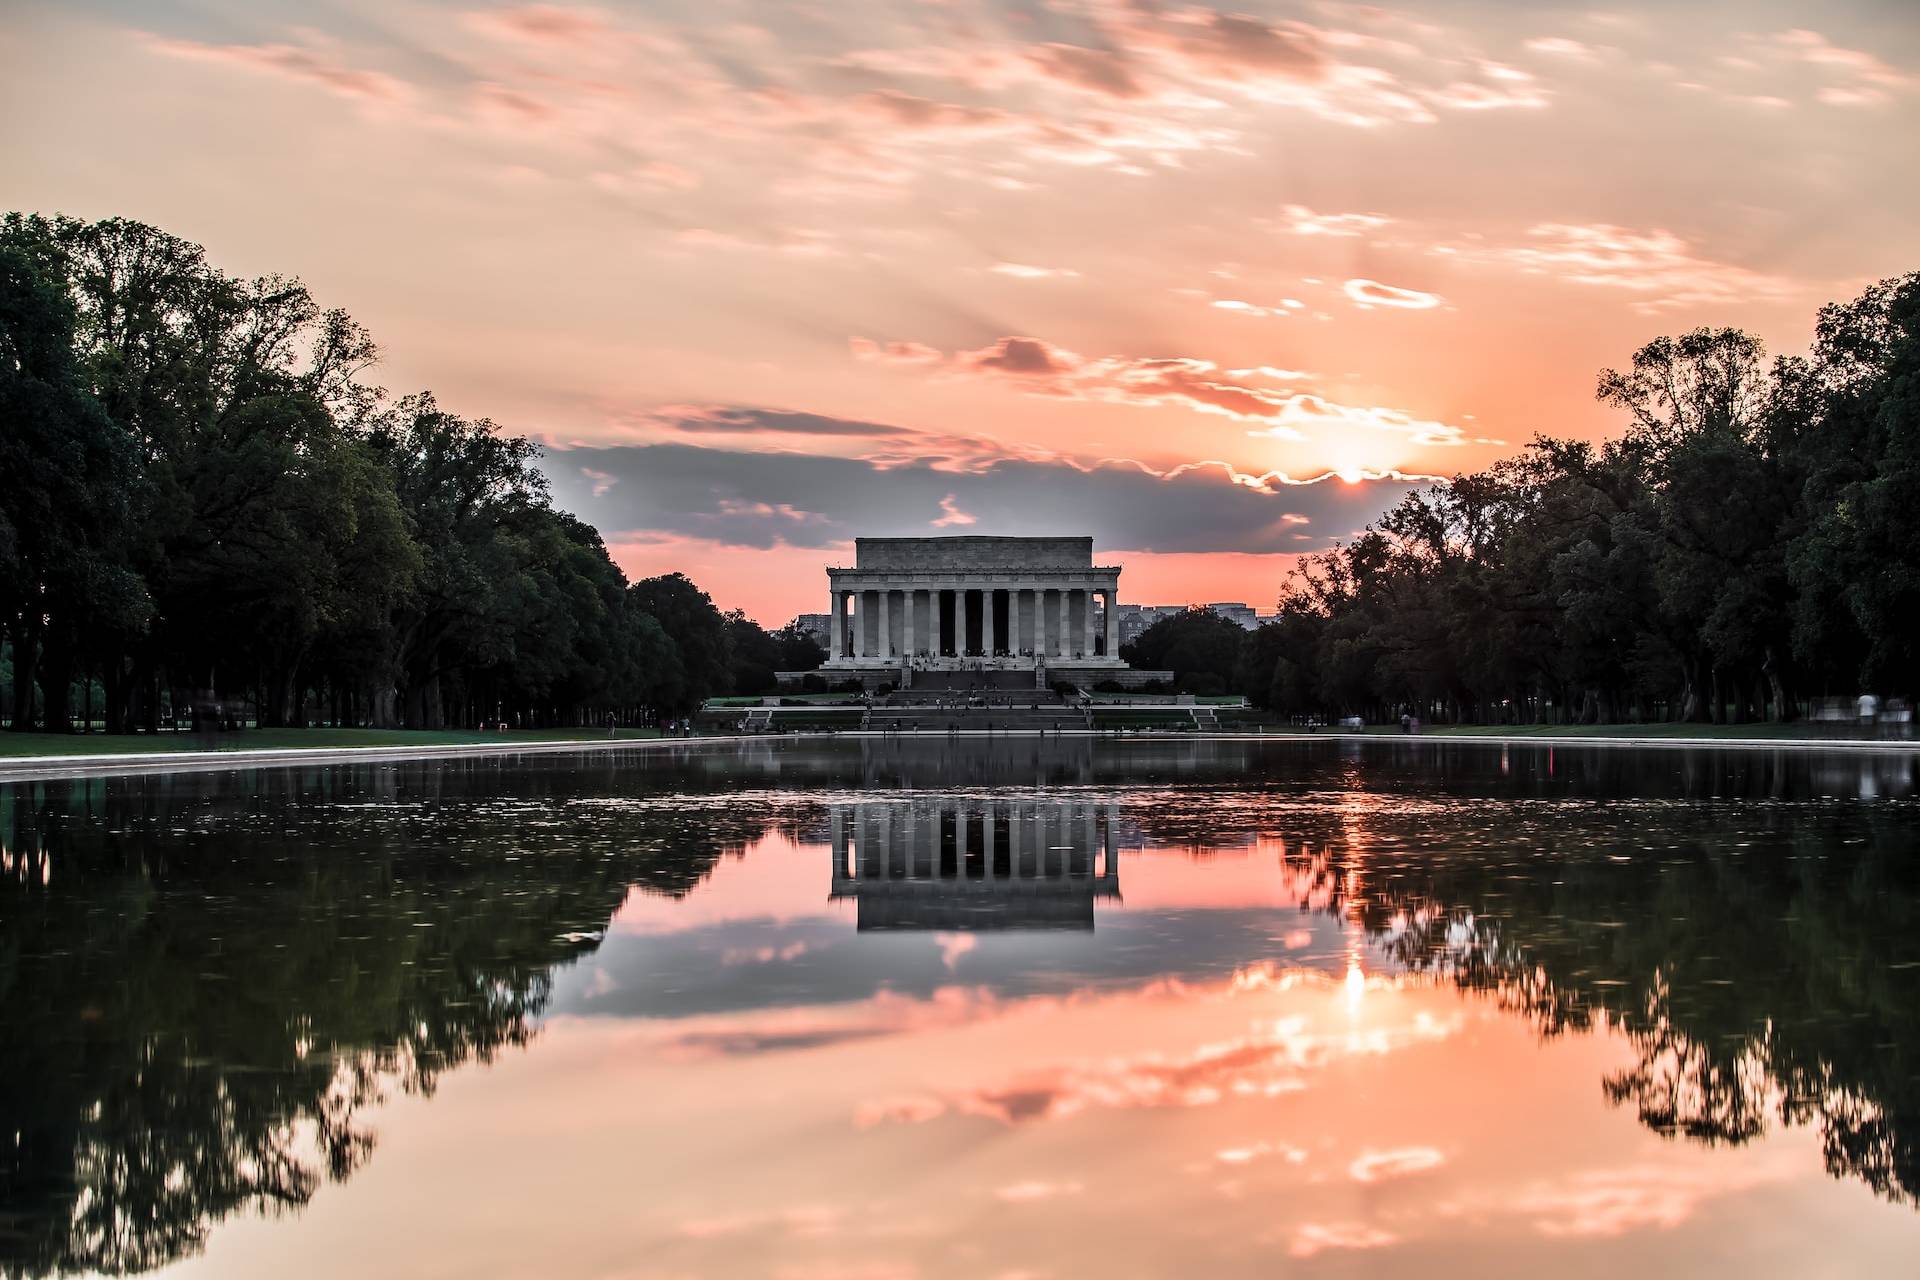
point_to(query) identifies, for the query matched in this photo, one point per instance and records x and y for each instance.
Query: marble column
(1066, 624)
(884, 648)
(960, 620)
(860, 625)
(1013, 620)
(1086, 620)
(1113, 623)
(906, 628)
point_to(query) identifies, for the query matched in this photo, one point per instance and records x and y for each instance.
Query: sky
(1213, 285)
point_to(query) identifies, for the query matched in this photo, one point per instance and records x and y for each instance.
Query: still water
(935, 1009)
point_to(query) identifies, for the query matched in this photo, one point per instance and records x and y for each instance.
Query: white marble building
(912, 607)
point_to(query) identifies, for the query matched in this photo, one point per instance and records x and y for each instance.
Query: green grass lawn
(89, 744)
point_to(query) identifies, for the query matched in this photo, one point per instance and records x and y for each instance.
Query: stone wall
(1125, 677)
(971, 554)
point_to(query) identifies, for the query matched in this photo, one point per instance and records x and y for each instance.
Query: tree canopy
(207, 505)
(1748, 543)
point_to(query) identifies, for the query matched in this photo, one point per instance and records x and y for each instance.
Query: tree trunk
(25, 653)
(1782, 709)
(56, 689)
(383, 705)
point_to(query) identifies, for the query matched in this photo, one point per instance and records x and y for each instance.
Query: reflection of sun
(1356, 984)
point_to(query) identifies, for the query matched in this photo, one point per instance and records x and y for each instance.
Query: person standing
(1869, 711)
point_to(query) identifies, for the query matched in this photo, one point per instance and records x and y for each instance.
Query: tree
(64, 508)
(1200, 647)
(699, 631)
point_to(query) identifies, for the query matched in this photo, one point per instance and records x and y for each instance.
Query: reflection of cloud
(885, 1014)
(1273, 1060)
(1261, 1151)
(1611, 1202)
(1314, 1237)
(1380, 1166)
(954, 945)
(1026, 1192)
(763, 955)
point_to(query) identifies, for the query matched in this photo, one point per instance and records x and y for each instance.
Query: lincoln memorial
(910, 609)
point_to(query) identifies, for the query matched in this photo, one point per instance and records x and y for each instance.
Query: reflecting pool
(929, 1008)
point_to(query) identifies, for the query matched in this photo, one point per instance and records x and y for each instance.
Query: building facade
(975, 604)
(957, 865)
(818, 626)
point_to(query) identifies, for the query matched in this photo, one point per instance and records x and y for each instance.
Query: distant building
(817, 625)
(1235, 611)
(1136, 618)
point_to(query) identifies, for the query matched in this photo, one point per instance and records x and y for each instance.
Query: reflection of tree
(202, 996)
(1762, 957)
(1761, 962)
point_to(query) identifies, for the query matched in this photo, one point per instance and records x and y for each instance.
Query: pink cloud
(1303, 221)
(951, 516)
(1371, 293)
(292, 63)
(1039, 367)
(894, 352)
(1021, 271)
(1655, 262)
(1381, 1166)
(1029, 1192)
(543, 23)
(1098, 70)
(1317, 1237)
(1562, 47)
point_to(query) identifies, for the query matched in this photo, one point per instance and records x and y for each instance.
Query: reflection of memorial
(962, 863)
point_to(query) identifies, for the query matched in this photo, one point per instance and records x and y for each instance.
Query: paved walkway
(24, 768)
(19, 768)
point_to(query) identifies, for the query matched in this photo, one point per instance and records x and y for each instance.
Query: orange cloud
(1038, 367)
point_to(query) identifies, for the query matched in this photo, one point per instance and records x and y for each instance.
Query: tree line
(1748, 544)
(206, 504)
